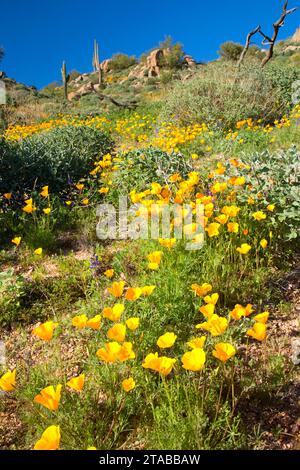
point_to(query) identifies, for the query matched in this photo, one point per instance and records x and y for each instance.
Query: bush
(173, 54)
(120, 62)
(221, 95)
(230, 50)
(282, 78)
(50, 158)
(144, 166)
(166, 77)
(276, 177)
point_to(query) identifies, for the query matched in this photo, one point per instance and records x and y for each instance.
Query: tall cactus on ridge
(96, 62)
(65, 79)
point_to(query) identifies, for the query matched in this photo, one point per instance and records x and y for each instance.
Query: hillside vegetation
(185, 340)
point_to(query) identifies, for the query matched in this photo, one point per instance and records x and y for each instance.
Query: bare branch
(247, 45)
(267, 41)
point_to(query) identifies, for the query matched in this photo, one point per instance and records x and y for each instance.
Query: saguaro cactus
(65, 79)
(96, 62)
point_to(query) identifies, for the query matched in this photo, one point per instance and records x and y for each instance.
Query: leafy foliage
(276, 177)
(51, 158)
(143, 166)
(121, 62)
(221, 95)
(230, 50)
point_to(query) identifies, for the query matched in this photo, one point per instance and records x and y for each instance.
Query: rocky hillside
(120, 82)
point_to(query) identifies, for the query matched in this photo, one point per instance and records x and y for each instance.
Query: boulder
(105, 65)
(189, 61)
(153, 62)
(82, 91)
(296, 37)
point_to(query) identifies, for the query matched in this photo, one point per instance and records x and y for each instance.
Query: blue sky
(38, 35)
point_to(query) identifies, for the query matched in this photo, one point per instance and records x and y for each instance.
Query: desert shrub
(282, 78)
(221, 95)
(51, 158)
(166, 77)
(173, 55)
(143, 166)
(121, 62)
(275, 176)
(230, 50)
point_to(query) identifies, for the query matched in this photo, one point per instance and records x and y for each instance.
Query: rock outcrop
(189, 61)
(296, 37)
(105, 65)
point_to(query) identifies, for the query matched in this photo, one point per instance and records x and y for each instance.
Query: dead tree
(267, 41)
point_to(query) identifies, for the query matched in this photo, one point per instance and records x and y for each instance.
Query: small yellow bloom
(230, 211)
(259, 215)
(29, 209)
(49, 397)
(47, 210)
(126, 352)
(116, 289)
(45, 191)
(233, 227)
(38, 251)
(271, 207)
(117, 332)
(50, 439)
(258, 331)
(147, 290)
(76, 383)
(68, 203)
(85, 201)
(133, 323)
(213, 229)
(79, 186)
(244, 248)
(16, 240)
(94, 323)
(113, 313)
(201, 290)
(103, 190)
(163, 365)
(224, 351)
(133, 293)
(211, 299)
(155, 257)
(263, 243)
(110, 352)
(167, 242)
(239, 311)
(45, 330)
(80, 321)
(8, 381)
(166, 341)
(128, 384)
(222, 219)
(216, 325)
(197, 342)
(207, 310)
(262, 317)
(194, 360)
(8, 196)
(109, 273)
